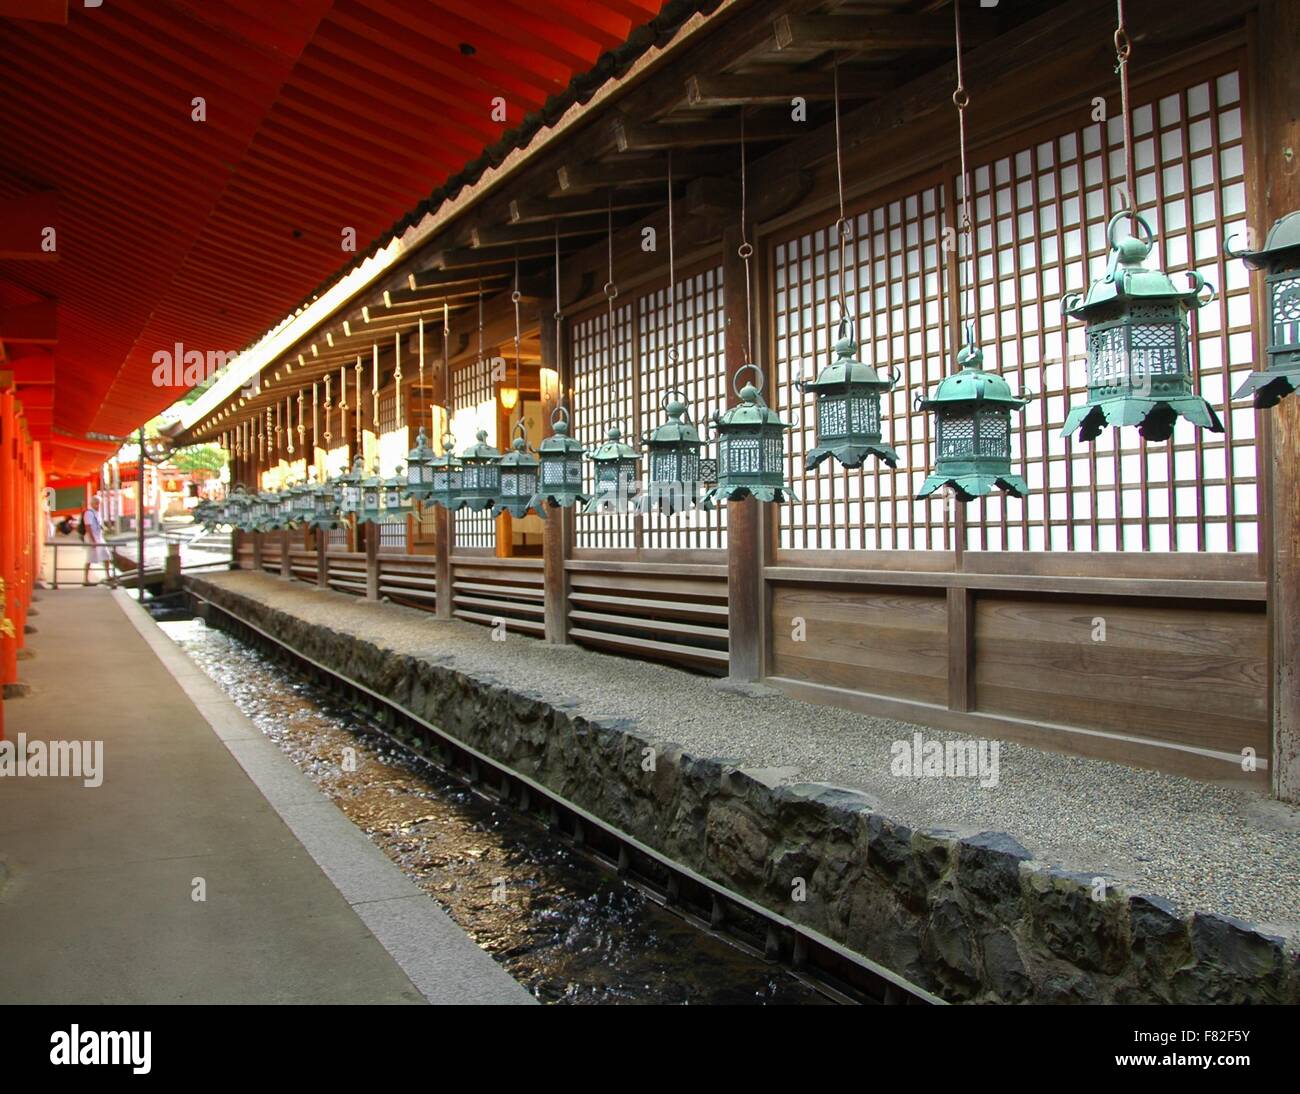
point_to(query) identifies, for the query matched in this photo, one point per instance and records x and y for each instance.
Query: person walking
(92, 534)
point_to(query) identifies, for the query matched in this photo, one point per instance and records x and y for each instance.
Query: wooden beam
(1278, 113)
(630, 137)
(858, 33)
(779, 88)
(38, 11)
(467, 258)
(711, 197)
(593, 176)
(524, 210)
(445, 279)
(534, 232)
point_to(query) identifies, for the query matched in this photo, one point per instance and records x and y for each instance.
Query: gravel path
(1202, 846)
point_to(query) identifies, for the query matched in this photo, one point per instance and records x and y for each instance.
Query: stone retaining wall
(970, 918)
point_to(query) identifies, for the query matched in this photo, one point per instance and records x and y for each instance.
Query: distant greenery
(199, 457)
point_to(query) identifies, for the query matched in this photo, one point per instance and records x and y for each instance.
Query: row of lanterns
(1139, 373)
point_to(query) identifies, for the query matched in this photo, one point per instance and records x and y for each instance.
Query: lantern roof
(1128, 280)
(559, 442)
(678, 429)
(519, 456)
(1284, 236)
(845, 370)
(614, 447)
(397, 479)
(971, 384)
(481, 450)
(421, 453)
(353, 476)
(750, 411)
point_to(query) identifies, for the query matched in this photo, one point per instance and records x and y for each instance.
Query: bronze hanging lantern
(560, 459)
(324, 506)
(447, 475)
(617, 466)
(349, 489)
(846, 398)
(372, 498)
(419, 469)
(673, 452)
(1139, 367)
(519, 471)
(751, 448)
(1280, 258)
(972, 425)
(480, 480)
(392, 504)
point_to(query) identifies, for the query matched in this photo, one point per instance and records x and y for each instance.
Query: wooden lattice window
(626, 387)
(473, 407)
(896, 288)
(1040, 213)
(602, 397)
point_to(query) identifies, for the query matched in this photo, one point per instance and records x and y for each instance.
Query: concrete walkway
(97, 883)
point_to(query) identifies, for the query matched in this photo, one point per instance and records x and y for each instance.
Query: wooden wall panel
(1187, 673)
(882, 641)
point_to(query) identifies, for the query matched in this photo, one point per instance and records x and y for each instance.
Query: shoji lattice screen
(473, 407)
(1041, 216)
(697, 374)
(625, 388)
(602, 397)
(896, 286)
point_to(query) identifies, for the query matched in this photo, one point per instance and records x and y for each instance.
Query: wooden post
(1278, 167)
(744, 518)
(257, 547)
(322, 558)
(558, 524)
(286, 564)
(961, 646)
(372, 561)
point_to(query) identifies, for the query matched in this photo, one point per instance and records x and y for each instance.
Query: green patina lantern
(349, 490)
(419, 469)
(284, 507)
(560, 457)
(324, 505)
(372, 498)
(1280, 257)
(480, 479)
(392, 504)
(447, 475)
(519, 473)
(751, 448)
(846, 395)
(1139, 367)
(303, 503)
(239, 508)
(616, 468)
(972, 426)
(206, 515)
(268, 511)
(674, 457)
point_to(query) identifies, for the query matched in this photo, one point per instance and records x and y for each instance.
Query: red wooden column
(11, 620)
(1278, 169)
(745, 519)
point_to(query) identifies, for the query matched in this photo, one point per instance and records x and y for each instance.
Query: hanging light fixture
(518, 477)
(751, 436)
(372, 497)
(448, 476)
(480, 480)
(392, 504)
(324, 506)
(349, 489)
(673, 449)
(419, 469)
(1139, 361)
(1280, 258)
(560, 460)
(972, 408)
(846, 394)
(751, 448)
(616, 468)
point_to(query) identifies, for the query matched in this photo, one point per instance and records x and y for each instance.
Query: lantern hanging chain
(328, 413)
(1123, 51)
(842, 228)
(745, 251)
(559, 319)
(360, 407)
(397, 380)
(673, 363)
(480, 323)
(446, 358)
(961, 100)
(515, 297)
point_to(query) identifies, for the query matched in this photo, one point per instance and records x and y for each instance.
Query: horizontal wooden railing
(499, 590)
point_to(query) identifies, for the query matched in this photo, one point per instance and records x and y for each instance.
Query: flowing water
(567, 929)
